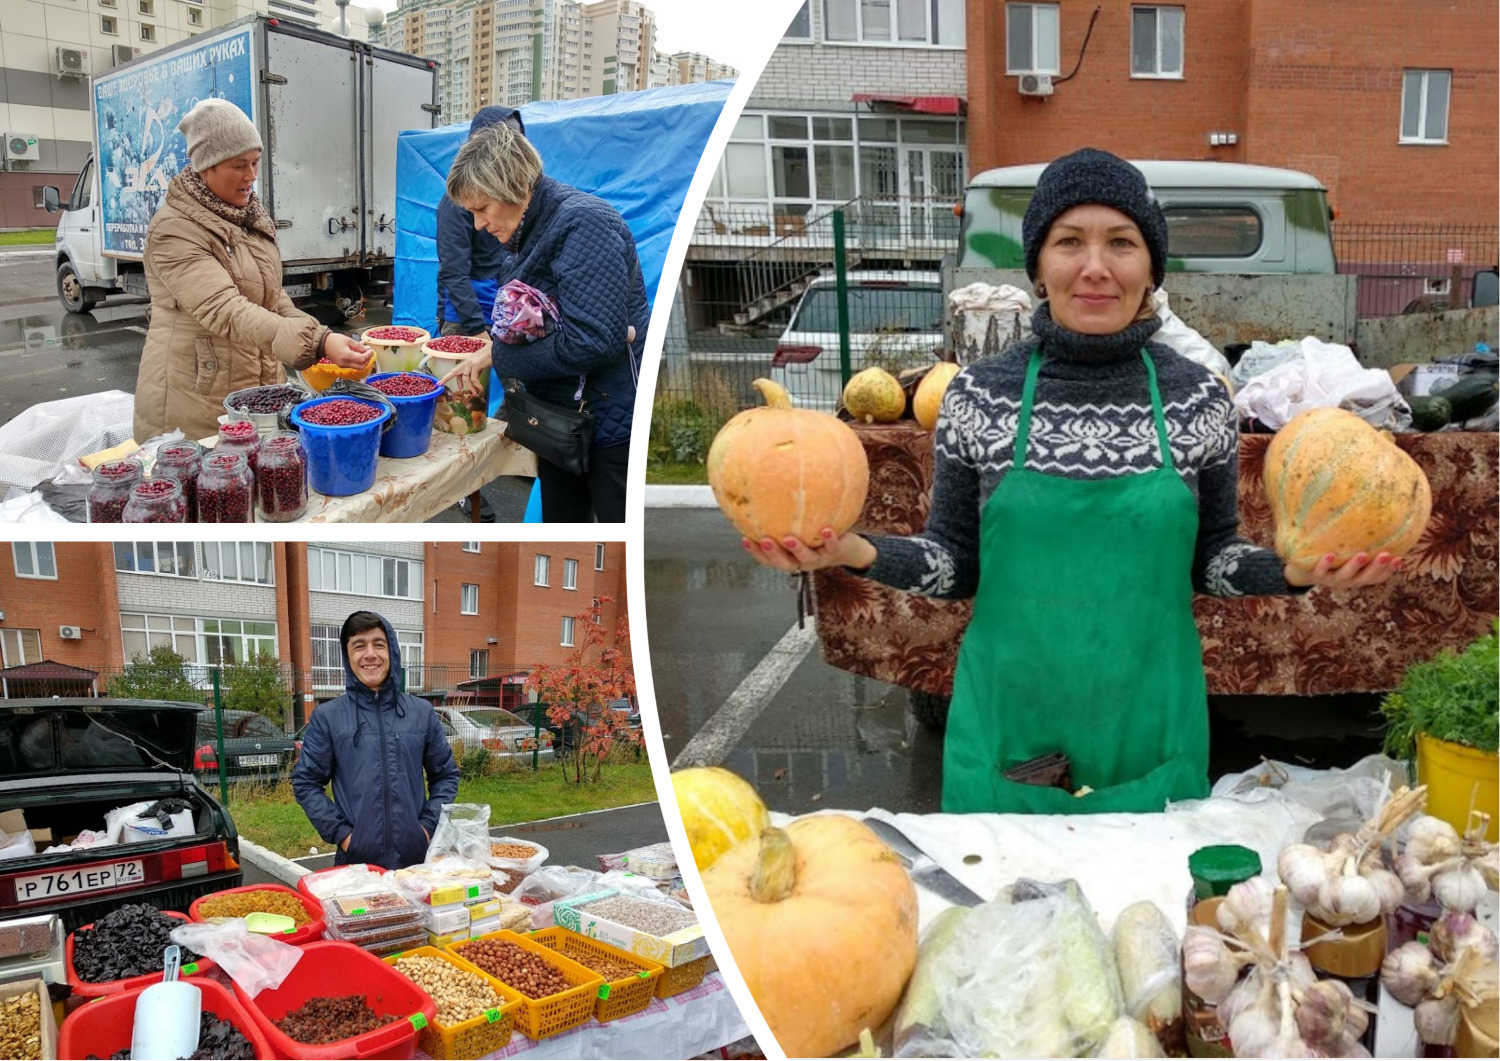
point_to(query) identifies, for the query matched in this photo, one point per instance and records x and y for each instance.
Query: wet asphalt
(47, 353)
(830, 739)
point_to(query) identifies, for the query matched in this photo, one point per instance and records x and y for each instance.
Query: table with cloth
(1321, 643)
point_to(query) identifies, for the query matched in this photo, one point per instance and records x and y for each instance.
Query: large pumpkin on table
(1336, 485)
(719, 810)
(781, 472)
(821, 919)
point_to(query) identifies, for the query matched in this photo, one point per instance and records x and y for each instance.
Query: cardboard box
(1415, 380)
(47, 1019)
(672, 950)
(442, 920)
(483, 909)
(484, 927)
(14, 821)
(448, 939)
(448, 894)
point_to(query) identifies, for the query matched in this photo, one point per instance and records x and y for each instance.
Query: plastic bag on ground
(1325, 375)
(1185, 340)
(463, 831)
(253, 961)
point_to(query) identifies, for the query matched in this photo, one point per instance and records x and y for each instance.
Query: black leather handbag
(559, 434)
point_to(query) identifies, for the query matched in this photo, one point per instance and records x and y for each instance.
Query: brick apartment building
(463, 611)
(1391, 104)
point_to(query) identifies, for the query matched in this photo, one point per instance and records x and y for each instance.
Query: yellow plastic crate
(541, 1017)
(617, 998)
(678, 979)
(473, 1038)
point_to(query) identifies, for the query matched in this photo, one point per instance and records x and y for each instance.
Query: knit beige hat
(216, 129)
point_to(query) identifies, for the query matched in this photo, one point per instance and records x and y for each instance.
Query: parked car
(895, 323)
(627, 715)
(254, 746)
(67, 762)
(498, 731)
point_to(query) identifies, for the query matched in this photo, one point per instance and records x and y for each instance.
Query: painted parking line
(712, 744)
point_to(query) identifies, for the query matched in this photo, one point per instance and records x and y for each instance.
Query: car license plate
(297, 290)
(259, 760)
(95, 878)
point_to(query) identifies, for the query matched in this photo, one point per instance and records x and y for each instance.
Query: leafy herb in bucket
(1453, 697)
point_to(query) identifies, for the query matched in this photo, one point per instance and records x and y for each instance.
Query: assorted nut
(341, 412)
(460, 995)
(643, 915)
(239, 904)
(126, 942)
(608, 968)
(516, 851)
(21, 1027)
(319, 1021)
(515, 966)
(507, 879)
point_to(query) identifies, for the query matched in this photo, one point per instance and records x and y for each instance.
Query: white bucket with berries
(398, 347)
(458, 412)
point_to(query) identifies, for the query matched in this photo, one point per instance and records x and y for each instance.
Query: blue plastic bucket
(411, 434)
(341, 460)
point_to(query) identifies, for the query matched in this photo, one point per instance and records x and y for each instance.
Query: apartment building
(620, 47)
(50, 48)
(1384, 102)
(462, 611)
(694, 68)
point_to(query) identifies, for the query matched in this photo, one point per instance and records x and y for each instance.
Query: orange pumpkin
(929, 397)
(1337, 485)
(821, 919)
(321, 374)
(777, 471)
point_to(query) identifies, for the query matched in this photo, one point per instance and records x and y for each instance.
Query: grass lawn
(271, 817)
(677, 474)
(42, 237)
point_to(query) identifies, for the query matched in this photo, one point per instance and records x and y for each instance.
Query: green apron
(1082, 641)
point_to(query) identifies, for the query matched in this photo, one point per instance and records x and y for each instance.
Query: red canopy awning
(953, 105)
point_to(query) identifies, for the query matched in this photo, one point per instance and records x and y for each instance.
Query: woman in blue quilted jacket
(576, 248)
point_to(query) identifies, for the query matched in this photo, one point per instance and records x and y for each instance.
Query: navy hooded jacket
(465, 253)
(577, 248)
(391, 767)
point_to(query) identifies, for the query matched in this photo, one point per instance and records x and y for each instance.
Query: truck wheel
(71, 293)
(931, 711)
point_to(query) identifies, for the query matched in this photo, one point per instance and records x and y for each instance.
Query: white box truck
(328, 110)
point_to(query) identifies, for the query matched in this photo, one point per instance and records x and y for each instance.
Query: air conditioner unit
(69, 633)
(1035, 84)
(72, 62)
(1434, 286)
(122, 53)
(19, 147)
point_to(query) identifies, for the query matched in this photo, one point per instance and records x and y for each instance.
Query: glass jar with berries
(182, 461)
(110, 490)
(225, 487)
(242, 437)
(281, 482)
(156, 500)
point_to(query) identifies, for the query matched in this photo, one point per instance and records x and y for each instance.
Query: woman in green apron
(1085, 487)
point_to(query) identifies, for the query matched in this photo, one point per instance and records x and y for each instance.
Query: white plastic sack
(1325, 375)
(253, 961)
(463, 831)
(356, 879)
(114, 821)
(1261, 358)
(1185, 340)
(16, 845)
(29, 508)
(40, 440)
(986, 319)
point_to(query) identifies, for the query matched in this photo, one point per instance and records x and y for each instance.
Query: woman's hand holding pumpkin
(1359, 571)
(792, 554)
(471, 372)
(346, 352)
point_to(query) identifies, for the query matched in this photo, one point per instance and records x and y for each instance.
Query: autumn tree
(578, 691)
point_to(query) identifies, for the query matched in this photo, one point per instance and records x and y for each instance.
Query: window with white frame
(179, 559)
(471, 547)
(230, 641)
(543, 570)
(327, 657)
(801, 25)
(107, 25)
(567, 631)
(238, 562)
(411, 658)
(1156, 42)
(570, 574)
(599, 556)
(148, 32)
(1031, 32)
(340, 571)
(197, 640)
(479, 663)
(34, 559)
(468, 599)
(906, 22)
(1424, 106)
(20, 646)
(195, 17)
(141, 633)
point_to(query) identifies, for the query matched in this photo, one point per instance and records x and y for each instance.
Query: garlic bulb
(1437, 1020)
(1459, 888)
(1303, 869)
(1456, 932)
(1248, 906)
(1389, 891)
(1323, 1012)
(1254, 1030)
(1348, 900)
(1409, 972)
(1348, 1046)
(1208, 968)
(1430, 839)
(1415, 877)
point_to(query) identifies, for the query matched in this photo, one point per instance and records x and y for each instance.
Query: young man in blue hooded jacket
(384, 751)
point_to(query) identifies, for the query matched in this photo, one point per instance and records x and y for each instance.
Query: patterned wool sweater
(1091, 419)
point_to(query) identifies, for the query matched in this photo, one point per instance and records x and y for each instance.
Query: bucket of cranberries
(398, 347)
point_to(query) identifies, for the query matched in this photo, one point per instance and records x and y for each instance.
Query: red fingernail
(745, 542)
(1385, 559)
(1330, 558)
(790, 543)
(767, 545)
(827, 532)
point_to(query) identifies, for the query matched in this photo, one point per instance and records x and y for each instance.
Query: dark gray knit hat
(1093, 176)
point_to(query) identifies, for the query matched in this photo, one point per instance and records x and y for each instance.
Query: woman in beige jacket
(220, 320)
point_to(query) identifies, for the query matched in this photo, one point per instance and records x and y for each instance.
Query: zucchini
(1472, 395)
(1428, 412)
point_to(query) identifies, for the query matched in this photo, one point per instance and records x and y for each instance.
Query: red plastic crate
(304, 934)
(302, 880)
(332, 968)
(104, 1026)
(84, 989)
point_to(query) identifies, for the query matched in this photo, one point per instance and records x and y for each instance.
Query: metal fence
(759, 297)
(1411, 267)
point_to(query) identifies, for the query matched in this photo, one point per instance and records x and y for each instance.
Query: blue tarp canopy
(638, 151)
